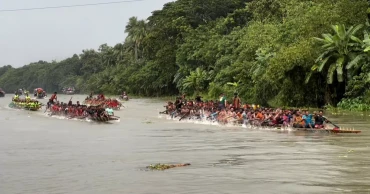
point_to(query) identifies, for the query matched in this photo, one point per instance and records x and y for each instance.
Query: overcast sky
(55, 34)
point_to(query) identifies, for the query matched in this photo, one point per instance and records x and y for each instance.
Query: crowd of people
(26, 103)
(76, 110)
(102, 101)
(234, 111)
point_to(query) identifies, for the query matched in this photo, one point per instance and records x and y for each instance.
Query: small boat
(68, 91)
(31, 106)
(2, 93)
(123, 97)
(39, 93)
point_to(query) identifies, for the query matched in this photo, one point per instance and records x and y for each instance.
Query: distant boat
(2, 93)
(39, 93)
(68, 91)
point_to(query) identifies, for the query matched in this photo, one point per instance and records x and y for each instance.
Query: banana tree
(341, 51)
(235, 85)
(196, 81)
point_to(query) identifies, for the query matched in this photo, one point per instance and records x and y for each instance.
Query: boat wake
(228, 125)
(76, 119)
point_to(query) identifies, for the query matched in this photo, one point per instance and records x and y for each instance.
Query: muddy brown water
(41, 154)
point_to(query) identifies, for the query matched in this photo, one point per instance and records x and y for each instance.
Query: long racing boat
(279, 128)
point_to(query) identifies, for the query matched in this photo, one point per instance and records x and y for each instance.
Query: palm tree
(196, 80)
(137, 31)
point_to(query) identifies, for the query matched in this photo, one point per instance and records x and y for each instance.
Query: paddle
(184, 116)
(331, 122)
(47, 107)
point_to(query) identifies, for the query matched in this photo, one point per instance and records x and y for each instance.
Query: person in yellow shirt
(16, 97)
(28, 98)
(298, 121)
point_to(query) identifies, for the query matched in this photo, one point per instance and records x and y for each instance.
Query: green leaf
(354, 62)
(323, 62)
(339, 68)
(331, 73)
(356, 28)
(314, 67)
(308, 77)
(354, 38)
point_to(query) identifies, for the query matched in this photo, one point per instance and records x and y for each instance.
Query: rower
(52, 98)
(222, 101)
(319, 120)
(308, 120)
(109, 111)
(28, 98)
(16, 97)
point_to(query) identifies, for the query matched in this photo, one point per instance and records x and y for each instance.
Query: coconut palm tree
(137, 31)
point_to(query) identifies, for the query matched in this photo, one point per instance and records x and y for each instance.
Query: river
(41, 154)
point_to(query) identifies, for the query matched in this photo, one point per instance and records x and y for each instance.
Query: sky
(55, 34)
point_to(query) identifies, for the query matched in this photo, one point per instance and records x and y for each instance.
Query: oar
(331, 122)
(184, 116)
(46, 108)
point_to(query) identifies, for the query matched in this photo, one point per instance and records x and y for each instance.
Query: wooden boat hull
(326, 130)
(312, 130)
(103, 119)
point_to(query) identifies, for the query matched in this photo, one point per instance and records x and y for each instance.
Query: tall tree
(137, 31)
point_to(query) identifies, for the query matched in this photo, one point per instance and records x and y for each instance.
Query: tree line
(272, 52)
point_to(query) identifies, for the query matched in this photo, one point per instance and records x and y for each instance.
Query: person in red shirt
(52, 98)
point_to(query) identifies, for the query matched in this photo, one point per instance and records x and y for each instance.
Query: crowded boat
(39, 93)
(76, 110)
(123, 96)
(2, 93)
(101, 100)
(68, 90)
(235, 113)
(27, 103)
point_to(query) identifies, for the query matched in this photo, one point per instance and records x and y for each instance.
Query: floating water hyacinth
(165, 166)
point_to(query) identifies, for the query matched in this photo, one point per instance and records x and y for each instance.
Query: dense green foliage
(272, 52)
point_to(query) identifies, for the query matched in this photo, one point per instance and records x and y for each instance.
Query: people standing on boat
(236, 102)
(52, 99)
(222, 102)
(198, 99)
(178, 103)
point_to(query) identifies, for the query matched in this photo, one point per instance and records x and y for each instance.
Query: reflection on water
(39, 154)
